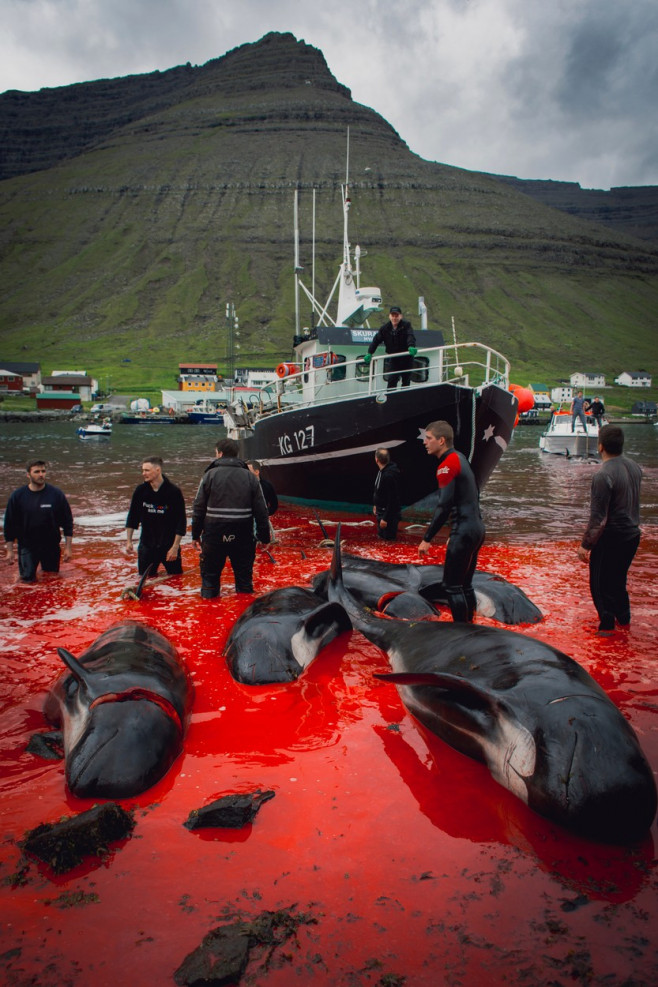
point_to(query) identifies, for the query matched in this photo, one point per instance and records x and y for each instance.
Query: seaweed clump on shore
(63, 845)
(224, 953)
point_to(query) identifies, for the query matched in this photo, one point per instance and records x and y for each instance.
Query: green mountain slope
(121, 258)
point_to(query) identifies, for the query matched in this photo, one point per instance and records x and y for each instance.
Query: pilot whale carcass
(543, 727)
(371, 579)
(123, 707)
(280, 634)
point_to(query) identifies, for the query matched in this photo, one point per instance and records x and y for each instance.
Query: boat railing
(471, 365)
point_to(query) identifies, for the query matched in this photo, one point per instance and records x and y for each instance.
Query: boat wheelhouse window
(337, 372)
(362, 370)
(328, 360)
(420, 372)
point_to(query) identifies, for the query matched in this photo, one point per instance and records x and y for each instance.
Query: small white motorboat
(95, 430)
(559, 438)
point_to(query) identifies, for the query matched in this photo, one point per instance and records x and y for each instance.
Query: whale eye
(72, 687)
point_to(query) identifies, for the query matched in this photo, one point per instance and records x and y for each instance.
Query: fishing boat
(95, 430)
(205, 413)
(560, 439)
(317, 426)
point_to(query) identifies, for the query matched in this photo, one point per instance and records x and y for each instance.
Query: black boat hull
(325, 454)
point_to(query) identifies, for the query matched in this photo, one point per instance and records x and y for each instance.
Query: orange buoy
(287, 369)
(524, 395)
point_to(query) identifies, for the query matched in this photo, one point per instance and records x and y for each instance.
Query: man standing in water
(613, 531)
(34, 516)
(459, 502)
(228, 502)
(158, 506)
(386, 496)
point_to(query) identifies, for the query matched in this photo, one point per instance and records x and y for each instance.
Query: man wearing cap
(397, 337)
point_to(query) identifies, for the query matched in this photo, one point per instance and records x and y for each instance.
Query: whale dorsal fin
(76, 667)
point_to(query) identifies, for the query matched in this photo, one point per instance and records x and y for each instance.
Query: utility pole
(232, 337)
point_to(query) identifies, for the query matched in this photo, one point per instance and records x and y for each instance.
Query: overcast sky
(560, 89)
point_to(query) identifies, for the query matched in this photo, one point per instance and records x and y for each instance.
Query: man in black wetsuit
(34, 516)
(613, 531)
(459, 502)
(397, 337)
(157, 506)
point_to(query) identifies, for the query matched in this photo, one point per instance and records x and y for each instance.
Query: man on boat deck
(397, 337)
(228, 502)
(578, 411)
(459, 502)
(613, 531)
(597, 411)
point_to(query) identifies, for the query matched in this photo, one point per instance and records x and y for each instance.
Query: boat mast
(298, 268)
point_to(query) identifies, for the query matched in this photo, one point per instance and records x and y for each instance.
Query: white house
(562, 395)
(588, 380)
(629, 379)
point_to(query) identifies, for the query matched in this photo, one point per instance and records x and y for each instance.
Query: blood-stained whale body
(543, 727)
(123, 707)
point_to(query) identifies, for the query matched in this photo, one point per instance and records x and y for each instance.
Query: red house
(10, 383)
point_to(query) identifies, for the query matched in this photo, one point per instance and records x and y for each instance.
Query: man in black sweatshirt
(34, 516)
(158, 507)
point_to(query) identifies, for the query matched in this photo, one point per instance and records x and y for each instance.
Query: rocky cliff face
(40, 129)
(633, 211)
(248, 87)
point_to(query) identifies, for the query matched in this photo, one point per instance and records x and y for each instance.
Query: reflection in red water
(412, 860)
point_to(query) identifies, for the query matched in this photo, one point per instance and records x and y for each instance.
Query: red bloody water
(416, 866)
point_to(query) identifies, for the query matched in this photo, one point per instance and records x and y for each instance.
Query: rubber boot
(471, 603)
(458, 605)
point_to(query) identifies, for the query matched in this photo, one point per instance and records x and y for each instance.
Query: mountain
(633, 211)
(134, 209)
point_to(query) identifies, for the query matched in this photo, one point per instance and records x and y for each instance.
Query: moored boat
(95, 430)
(560, 438)
(318, 425)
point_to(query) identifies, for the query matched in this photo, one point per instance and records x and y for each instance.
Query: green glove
(413, 350)
(367, 358)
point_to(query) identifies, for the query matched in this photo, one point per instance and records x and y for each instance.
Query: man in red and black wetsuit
(459, 502)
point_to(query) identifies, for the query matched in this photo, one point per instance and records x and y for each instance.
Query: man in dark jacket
(397, 337)
(386, 497)
(613, 530)
(158, 507)
(228, 502)
(35, 514)
(459, 503)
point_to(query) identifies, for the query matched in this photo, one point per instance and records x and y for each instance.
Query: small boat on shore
(317, 426)
(560, 439)
(95, 430)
